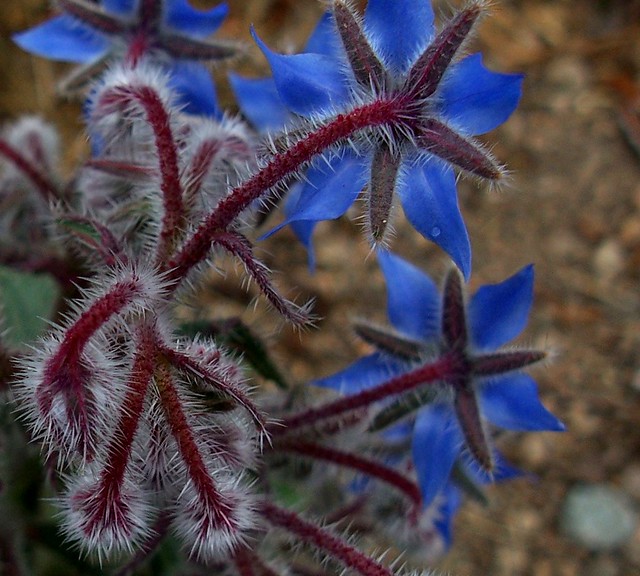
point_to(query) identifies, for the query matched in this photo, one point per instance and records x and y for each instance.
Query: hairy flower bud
(69, 387)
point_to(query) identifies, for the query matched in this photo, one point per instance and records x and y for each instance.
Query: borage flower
(392, 60)
(480, 382)
(92, 33)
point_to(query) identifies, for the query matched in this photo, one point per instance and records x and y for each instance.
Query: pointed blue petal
(429, 197)
(259, 102)
(451, 502)
(512, 402)
(181, 16)
(499, 312)
(413, 300)
(476, 100)
(194, 86)
(399, 29)
(63, 38)
(436, 445)
(363, 374)
(329, 190)
(502, 471)
(324, 39)
(304, 232)
(119, 7)
(307, 83)
(303, 229)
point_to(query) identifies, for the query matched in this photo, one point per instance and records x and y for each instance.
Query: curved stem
(44, 186)
(439, 370)
(280, 167)
(334, 546)
(368, 467)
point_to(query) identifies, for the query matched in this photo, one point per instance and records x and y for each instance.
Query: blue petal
(399, 29)
(476, 100)
(502, 470)
(120, 7)
(307, 83)
(183, 17)
(428, 196)
(303, 229)
(452, 500)
(259, 102)
(436, 446)
(194, 86)
(324, 39)
(328, 191)
(363, 374)
(499, 312)
(413, 300)
(512, 402)
(63, 38)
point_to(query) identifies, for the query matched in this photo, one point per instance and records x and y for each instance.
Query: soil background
(572, 207)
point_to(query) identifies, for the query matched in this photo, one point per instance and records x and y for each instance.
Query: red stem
(186, 363)
(131, 410)
(280, 166)
(336, 547)
(172, 194)
(369, 467)
(441, 369)
(98, 314)
(188, 447)
(45, 187)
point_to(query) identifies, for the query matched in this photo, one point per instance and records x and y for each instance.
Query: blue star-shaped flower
(393, 56)
(479, 382)
(91, 33)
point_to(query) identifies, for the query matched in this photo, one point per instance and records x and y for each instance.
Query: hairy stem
(367, 466)
(331, 544)
(441, 369)
(279, 167)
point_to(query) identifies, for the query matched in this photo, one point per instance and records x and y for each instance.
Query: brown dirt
(573, 208)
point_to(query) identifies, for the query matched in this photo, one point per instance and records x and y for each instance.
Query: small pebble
(608, 260)
(598, 517)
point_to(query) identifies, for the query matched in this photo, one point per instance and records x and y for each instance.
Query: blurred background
(572, 207)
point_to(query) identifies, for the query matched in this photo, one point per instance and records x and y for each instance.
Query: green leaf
(28, 301)
(83, 229)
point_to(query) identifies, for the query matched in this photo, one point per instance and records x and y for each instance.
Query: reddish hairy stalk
(120, 168)
(121, 444)
(93, 318)
(66, 373)
(167, 152)
(441, 369)
(199, 166)
(242, 249)
(334, 546)
(190, 365)
(43, 185)
(280, 167)
(188, 447)
(369, 467)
